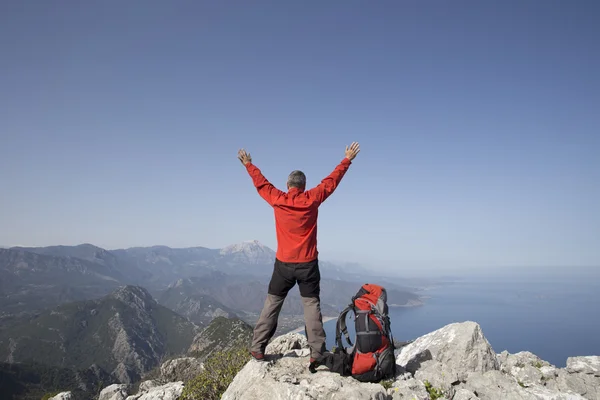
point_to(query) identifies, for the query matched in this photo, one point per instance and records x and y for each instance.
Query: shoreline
(300, 329)
(411, 303)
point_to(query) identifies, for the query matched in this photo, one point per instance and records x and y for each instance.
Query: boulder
(586, 385)
(170, 391)
(114, 392)
(584, 365)
(288, 378)
(146, 386)
(287, 343)
(455, 360)
(464, 394)
(446, 356)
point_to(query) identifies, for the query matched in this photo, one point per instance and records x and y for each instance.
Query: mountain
(247, 294)
(30, 280)
(128, 272)
(126, 333)
(166, 264)
(242, 294)
(199, 308)
(229, 281)
(221, 334)
(249, 253)
(162, 265)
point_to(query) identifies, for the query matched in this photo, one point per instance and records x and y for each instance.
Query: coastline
(300, 329)
(411, 303)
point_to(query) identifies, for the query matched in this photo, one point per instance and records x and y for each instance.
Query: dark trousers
(285, 276)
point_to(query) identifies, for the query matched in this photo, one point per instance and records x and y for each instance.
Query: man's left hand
(244, 157)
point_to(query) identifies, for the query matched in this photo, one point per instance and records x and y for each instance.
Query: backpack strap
(342, 328)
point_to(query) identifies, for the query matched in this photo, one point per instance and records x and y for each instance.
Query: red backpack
(371, 358)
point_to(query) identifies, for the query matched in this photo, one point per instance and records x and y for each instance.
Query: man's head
(297, 179)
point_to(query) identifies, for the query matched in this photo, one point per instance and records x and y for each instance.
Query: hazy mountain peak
(134, 296)
(253, 250)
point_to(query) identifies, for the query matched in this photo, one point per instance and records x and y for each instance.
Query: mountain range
(88, 316)
(234, 278)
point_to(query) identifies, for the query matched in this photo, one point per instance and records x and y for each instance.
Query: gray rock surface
(148, 391)
(449, 354)
(146, 386)
(408, 389)
(587, 385)
(456, 360)
(286, 343)
(288, 378)
(464, 394)
(114, 392)
(586, 365)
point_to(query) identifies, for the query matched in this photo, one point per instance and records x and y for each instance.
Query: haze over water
(554, 317)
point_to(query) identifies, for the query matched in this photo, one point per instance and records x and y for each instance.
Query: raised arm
(328, 185)
(265, 189)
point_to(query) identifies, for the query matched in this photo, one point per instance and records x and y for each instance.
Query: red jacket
(296, 213)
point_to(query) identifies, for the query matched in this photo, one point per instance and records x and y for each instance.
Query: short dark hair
(297, 179)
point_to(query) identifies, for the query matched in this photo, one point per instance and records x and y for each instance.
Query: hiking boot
(314, 363)
(257, 356)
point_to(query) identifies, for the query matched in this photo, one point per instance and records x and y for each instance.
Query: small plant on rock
(219, 370)
(387, 384)
(434, 393)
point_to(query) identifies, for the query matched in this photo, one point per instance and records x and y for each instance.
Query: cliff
(455, 362)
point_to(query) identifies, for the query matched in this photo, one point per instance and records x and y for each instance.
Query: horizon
(460, 272)
(478, 127)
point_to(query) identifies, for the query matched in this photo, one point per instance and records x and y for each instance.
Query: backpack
(371, 358)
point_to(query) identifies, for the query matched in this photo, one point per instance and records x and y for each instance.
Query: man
(297, 257)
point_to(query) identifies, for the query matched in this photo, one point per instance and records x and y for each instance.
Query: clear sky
(479, 125)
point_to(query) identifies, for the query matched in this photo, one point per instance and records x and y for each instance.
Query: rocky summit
(455, 362)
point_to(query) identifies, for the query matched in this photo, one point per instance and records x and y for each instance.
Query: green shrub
(387, 384)
(49, 395)
(219, 370)
(434, 393)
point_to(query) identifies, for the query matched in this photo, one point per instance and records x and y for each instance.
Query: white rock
(170, 391)
(464, 394)
(271, 380)
(113, 392)
(586, 385)
(408, 389)
(449, 354)
(146, 386)
(585, 365)
(287, 343)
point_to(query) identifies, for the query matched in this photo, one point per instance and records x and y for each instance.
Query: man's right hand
(352, 151)
(244, 157)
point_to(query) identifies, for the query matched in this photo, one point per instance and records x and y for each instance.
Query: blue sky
(479, 124)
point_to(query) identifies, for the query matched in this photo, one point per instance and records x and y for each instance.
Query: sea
(553, 317)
